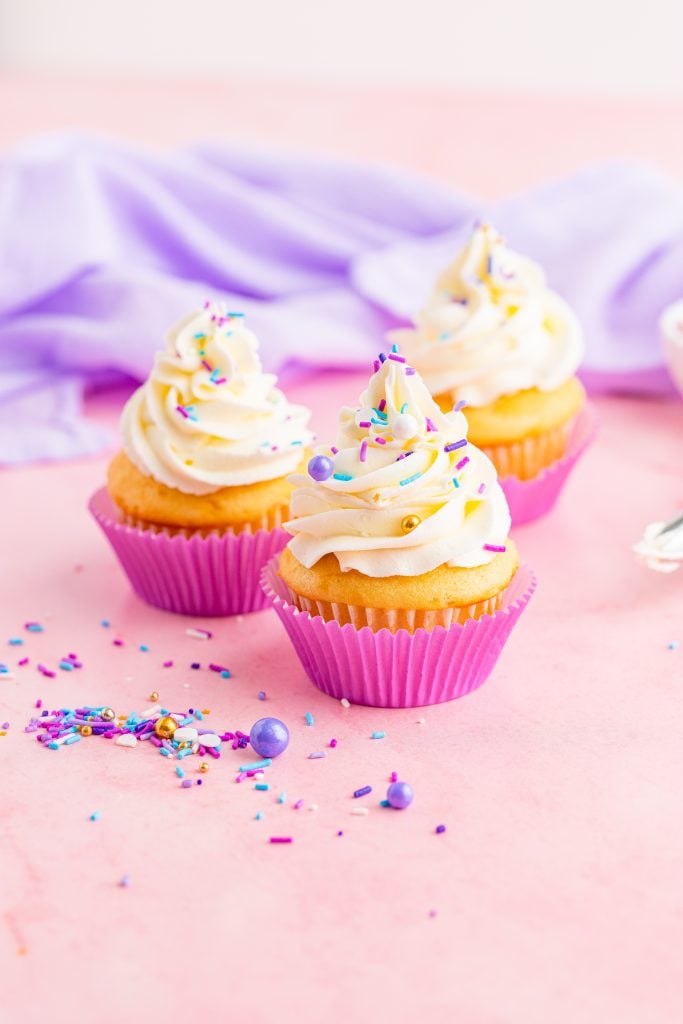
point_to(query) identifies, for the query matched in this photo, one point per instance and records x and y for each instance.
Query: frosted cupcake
(399, 530)
(201, 483)
(496, 340)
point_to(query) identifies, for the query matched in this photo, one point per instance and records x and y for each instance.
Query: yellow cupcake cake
(208, 441)
(495, 340)
(402, 524)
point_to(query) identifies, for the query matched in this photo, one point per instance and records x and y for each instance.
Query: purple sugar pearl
(400, 795)
(320, 467)
(269, 737)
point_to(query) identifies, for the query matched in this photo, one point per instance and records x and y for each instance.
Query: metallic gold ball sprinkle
(165, 727)
(410, 523)
(108, 714)
(154, 696)
(203, 767)
(86, 730)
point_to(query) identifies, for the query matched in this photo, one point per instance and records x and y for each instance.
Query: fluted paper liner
(402, 669)
(531, 499)
(187, 572)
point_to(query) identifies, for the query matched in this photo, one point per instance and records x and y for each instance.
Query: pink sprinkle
(410, 372)
(221, 380)
(397, 358)
(494, 547)
(117, 643)
(380, 440)
(463, 462)
(394, 777)
(376, 365)
(363, 450)
(46, 672)
(335, 451)
(365, 424)
(430, 425)
(481, 488)
(39, 703)
(206, 365)
(168, 664)
(207, 304)
(382, 405)
(24, 661)
(182, 412)
(298, 805)
(333, 743)
(281, 839)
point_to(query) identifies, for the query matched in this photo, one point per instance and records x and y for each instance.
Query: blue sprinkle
(673, 646)
(164, 752)
(410, 479)
(259, 815)
(378, 735)
(404, 407)
(263, 787)
(198, 715)
(455, 482)
(226, 674)
(282, 797)
(105, 623)
(53, 745)
(310, 720)
(96, 815)
(342, 476)
(66, 666)
(35, 627)
(384, 803)
(15, 641)
(74, 738)
(180, 772)
(144, 647)
(124, 881)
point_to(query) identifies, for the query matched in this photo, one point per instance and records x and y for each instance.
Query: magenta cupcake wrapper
(531, 499)
(398, 670)
(215, 574)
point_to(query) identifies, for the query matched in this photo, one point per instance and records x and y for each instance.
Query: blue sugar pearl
(400, 795)
(269, 737)
(320, 467)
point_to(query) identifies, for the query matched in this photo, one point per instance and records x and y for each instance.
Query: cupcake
(197, 495)
(494, 340)
(400, 582)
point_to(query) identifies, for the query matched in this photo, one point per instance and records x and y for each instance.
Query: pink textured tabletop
(553, 895)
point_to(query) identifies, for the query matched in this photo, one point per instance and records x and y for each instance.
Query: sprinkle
(34, 627)
(494, 547)
(410, 479)
(195, 665)
(262, 786)
(143, 647)
(46, 672)
(96, 815)
(394, 777)
(226, 674)
(282, 797)
(365, 424)
(182, 412)
(397, 358)
(363, 450)
(382, 357)
(316, 755)
(168, 664)
(430, 425)
(673, 646)
(455, 444)
(207, 366)
(259, 815)
(262, 695)
(213, 667)
(376, 365)
(117, 642)
(345, 703)
(363, 791)
(24, 661)
(255, 765)
(198, 634)
(456, 483)
(384, 803)
(180, 772)
(382, 405)
(186, 784)
(310, 720)
(15, 641)
(359, 810)
(281, 839)
(378, 735)
(342, 476)
(439, 829)
(333, 743)
(459, 406)
(335, 451)
(481, 488)
(66, 666)
(462, 463)
(379, 440)
(410, 372)
(394, 347)
(298, 805)
(105, 623)
(124, 881)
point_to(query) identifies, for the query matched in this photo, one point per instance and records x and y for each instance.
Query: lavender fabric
(103, 246)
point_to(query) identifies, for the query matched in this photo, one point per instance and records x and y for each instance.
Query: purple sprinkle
(207, 366)
(365, 424)
(455, 444)
(410, 372)
(298, 805)
(182, 412)
(463, 462)
(335, 451)
(459, 405)
(46, 672)
(440, 829)
(396, 358)
(430, 425)
(494, 547)
(195, 665)
(363, 791)
(24, 661)
(186, 783)
(333, 743)
(481, 488)
(363, 450)
(382, 357)
(380, 440)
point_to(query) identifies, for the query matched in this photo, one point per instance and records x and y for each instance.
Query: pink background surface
(557, 885)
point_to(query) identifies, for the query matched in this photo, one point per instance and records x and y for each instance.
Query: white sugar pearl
(185, 733)
(404, 426)
(210, 739)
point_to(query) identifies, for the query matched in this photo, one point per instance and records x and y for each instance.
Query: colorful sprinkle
(495, 547)
(379, 735)
(410, 479)
(462, 463)
(309, 718)
(363, 791)
(455, 444)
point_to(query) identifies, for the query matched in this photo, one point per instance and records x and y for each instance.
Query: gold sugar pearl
(410, 523)
(203, 767)
(166, 727)
(86, 730)
(154, 696)
(108, 714)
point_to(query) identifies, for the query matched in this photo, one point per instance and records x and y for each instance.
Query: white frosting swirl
(208, 417)
(492, 327)
(662, 546)
(398, 455)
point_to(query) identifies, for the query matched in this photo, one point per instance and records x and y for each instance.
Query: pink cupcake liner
(215, 574)
(398, 670)
(531, 499)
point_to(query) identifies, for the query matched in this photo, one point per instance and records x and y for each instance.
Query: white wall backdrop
(612, 46)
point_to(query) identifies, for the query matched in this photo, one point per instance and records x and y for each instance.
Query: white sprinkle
(126, 739)
(198, 634)
(313, 807)
(185, 732)
(345, 703)
(421, 721)
(360, 810)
